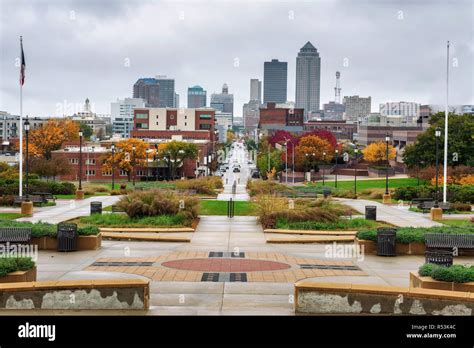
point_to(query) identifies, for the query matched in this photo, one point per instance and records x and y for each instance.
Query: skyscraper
(256, 90)
(275, 78)
(157, 92)
(308, 79)
(149, 90)
(223, 101)
(196, 97)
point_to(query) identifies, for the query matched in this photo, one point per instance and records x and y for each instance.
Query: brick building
(341, 129)
(274, 118)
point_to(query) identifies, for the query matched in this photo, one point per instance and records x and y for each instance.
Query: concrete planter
(380, 173)
(417, 281)
(20, 276)
(414, 248)
(83, 242)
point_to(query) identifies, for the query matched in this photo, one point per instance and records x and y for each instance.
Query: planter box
(83, 242)
(378, 173)
(414, 248)
(20, 276)
(417, 281)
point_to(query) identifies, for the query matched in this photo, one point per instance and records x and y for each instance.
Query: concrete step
(312, 232)
(151, 237)
(311, 239)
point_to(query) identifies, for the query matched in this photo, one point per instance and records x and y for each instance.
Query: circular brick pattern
(226, 265)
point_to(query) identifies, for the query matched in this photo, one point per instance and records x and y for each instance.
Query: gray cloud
(71, 58)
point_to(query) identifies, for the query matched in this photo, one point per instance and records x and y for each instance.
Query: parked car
(255, 175)
(236, 170)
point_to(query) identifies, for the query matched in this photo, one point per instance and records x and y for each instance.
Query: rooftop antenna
(337, 89)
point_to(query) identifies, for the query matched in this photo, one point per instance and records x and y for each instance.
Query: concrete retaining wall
(353, 299)
(77, 294)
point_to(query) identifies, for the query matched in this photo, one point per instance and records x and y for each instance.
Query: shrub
(461, 206)
(88, 230)
(340, 224)
(115, 193)
(456, 193)
(266, 187)
(121, 220)
(407, 235)
(7, 200)
(158, 202)
(12, 264)
(96, 188)
(203, 185)
(42, 229)
(454, 273)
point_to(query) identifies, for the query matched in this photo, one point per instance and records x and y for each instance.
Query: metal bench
(451, 242)
(32, 198)
(15, 235)
(117, 209)
(427, 205)
(46, 195)
(418, 201)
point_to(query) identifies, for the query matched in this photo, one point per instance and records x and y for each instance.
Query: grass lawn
(214, 207)
(86, 196)
(365, 184)
(453, 222)
(10, 216)
(122, 220)
(449, 212)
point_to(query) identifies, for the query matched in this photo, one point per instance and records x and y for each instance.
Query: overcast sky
(390, 50)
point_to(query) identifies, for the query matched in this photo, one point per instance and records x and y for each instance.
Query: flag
(23, 65)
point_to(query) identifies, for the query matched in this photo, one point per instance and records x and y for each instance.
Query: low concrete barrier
(353, 299)
(76, 294)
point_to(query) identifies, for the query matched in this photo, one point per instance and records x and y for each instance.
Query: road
(237, 155)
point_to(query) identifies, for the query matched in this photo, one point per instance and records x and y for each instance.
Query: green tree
(176, 152)
(87, 130)
(460, 142)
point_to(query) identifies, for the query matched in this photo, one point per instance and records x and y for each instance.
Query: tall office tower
(256, 90)
(149, 90)
(121, 113)
(224, 101)
(197, 97)
(176, 100)
(167, 92)
(356, 107)
(308, 79)
(275, 78)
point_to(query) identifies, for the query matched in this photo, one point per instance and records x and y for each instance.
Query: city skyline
(83, 51)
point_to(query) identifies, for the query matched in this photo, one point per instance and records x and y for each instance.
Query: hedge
(42, 229)
(10, 187)
(456, 193)
(13, 264)
(454, 273)
(407, 235)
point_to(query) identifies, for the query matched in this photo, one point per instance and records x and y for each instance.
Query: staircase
(362, 169)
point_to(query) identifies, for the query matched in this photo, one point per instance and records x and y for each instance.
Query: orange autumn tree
(377, 153)
(310, 151)
(51, 136)
(125, 158)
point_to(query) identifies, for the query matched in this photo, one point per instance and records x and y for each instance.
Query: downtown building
(197, 97)
(308, 79)
(223, 102)
(356, 107)
(275, 80)
(157, 92)
(400, 112)
(122, 114)
(275, 117)
(251, 110)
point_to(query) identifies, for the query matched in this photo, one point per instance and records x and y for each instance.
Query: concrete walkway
(395, 215)
(69, 209)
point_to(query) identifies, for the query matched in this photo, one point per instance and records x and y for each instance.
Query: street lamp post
(337, 157)
(436, 211)
(387, 199)
(355, 171)
(27, 205)
(324, 157)
(80, 192)
(147, 152)
(113, 166)
(286, 162)
(133, 165)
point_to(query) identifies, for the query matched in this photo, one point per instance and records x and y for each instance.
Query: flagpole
(445, 167)
(20, 158)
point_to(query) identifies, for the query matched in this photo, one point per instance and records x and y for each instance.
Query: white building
(406, 112)
(256, 90)
(356, 107)
(222, 124)
(122, 115)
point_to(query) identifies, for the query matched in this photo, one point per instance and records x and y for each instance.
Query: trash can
(96, 208)
(326, 192)
(370, 212)
(386, 241)
(67, 236)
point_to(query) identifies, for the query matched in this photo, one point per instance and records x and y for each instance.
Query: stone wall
(77, 294)
(353, 299)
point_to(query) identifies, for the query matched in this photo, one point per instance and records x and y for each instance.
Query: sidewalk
(69, 209)
(395, 215)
